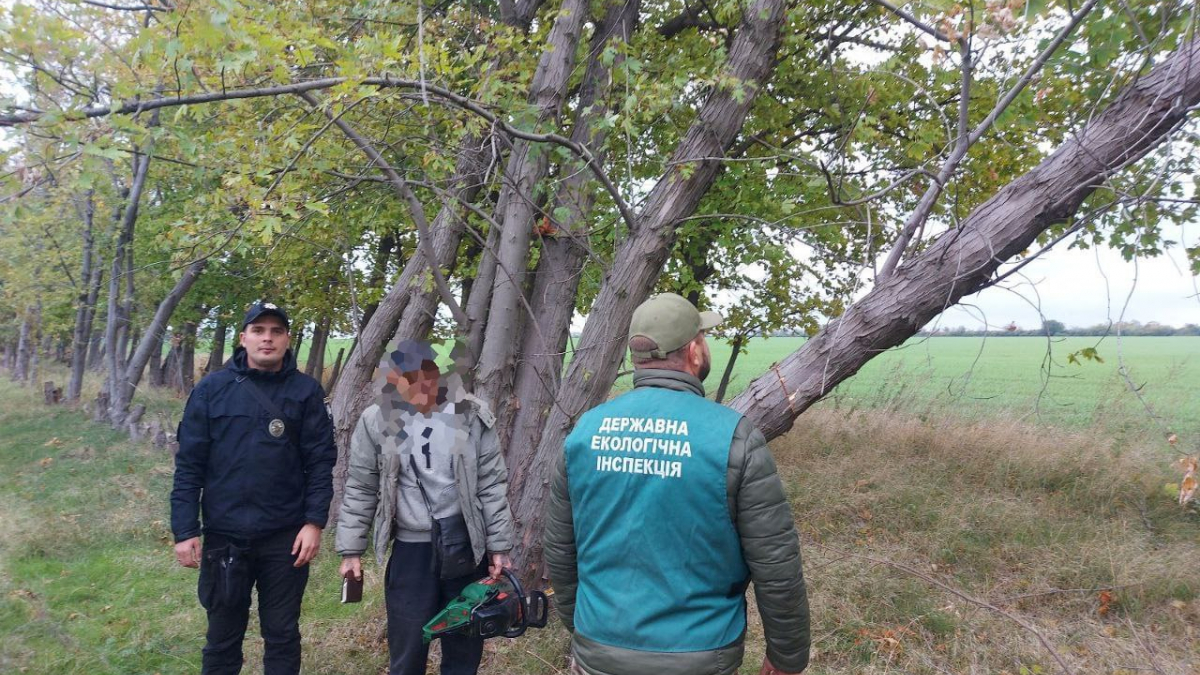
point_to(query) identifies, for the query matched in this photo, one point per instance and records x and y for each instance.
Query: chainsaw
(489, 608)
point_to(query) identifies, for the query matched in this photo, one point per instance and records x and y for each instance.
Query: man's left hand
(500, 562)
(308, 542)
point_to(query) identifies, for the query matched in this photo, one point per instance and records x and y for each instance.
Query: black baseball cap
(261, 309)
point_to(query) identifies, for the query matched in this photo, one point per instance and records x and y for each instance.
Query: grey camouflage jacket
(762, 516)
(373, 477)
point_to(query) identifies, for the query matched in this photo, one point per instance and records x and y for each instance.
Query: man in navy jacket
(255, 465)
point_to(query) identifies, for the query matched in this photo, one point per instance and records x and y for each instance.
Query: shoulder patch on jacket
(482, 410)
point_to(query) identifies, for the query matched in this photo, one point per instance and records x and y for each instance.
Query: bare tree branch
(917, 23)
(405, 192)
(126, 8)
(921, 214)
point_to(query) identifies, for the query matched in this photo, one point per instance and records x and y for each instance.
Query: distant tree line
(1057, 328)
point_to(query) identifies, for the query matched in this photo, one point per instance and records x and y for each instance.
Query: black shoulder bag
(453, 556)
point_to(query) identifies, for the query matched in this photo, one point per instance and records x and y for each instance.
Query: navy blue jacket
(247, 482)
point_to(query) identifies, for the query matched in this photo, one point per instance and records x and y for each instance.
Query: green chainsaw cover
(457, 615)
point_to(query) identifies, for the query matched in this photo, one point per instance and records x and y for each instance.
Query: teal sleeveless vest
(660, 563)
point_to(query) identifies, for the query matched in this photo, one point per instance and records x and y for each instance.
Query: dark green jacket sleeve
(771, 547)
(558, 543)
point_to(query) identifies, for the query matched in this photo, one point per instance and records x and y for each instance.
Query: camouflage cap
(670, 321)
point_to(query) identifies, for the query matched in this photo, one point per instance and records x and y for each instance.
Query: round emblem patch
(276, 428)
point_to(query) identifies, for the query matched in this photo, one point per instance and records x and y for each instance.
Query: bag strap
(435, 560)
(424, 495)
(272, 409)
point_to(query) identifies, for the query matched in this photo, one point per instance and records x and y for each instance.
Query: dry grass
(1036, 523)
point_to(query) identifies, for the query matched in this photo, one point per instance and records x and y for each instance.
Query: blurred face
(266, 341)
(418, 387)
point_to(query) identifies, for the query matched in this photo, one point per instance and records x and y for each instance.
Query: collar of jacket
(240, 367)
(675, 380)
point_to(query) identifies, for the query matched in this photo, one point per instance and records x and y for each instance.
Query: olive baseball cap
(670, 321)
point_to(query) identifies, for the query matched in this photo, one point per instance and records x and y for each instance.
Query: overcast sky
(1082, 288)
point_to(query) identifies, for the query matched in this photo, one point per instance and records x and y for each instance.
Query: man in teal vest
(663, 508)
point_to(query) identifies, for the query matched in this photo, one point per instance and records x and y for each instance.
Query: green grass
(1026, 377)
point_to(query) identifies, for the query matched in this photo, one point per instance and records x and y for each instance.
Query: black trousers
(413, 595)
(224, 590)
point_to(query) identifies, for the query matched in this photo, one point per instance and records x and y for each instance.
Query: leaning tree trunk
(638, 264)
(405, 307)
(515, 211)
(964, 260)
(560, 266)
(128, 380)
(118, 321)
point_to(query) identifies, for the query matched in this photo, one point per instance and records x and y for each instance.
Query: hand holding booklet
(351, 589)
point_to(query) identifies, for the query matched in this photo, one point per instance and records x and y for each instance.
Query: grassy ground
(1066, 530)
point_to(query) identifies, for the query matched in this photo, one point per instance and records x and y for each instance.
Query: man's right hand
(769, 669)
(187, 552)
(351, 567)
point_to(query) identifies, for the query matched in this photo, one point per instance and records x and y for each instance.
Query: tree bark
(187, 358)
(25, 347)
(516, 210)
(81, 340)
(964, 261)
(735, 350)
(216, 356)
(337, 369)
(127, 382)
(295, 343)
(315, 363)
(404, 304)
(556, 279)
(638, 263)
(95, 358)
(160, 368)
(117, 324)
(383, 254)
(37, 344)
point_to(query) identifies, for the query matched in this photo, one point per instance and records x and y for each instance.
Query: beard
(705, 367)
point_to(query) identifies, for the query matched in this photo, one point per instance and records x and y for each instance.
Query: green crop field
(1025, 377)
